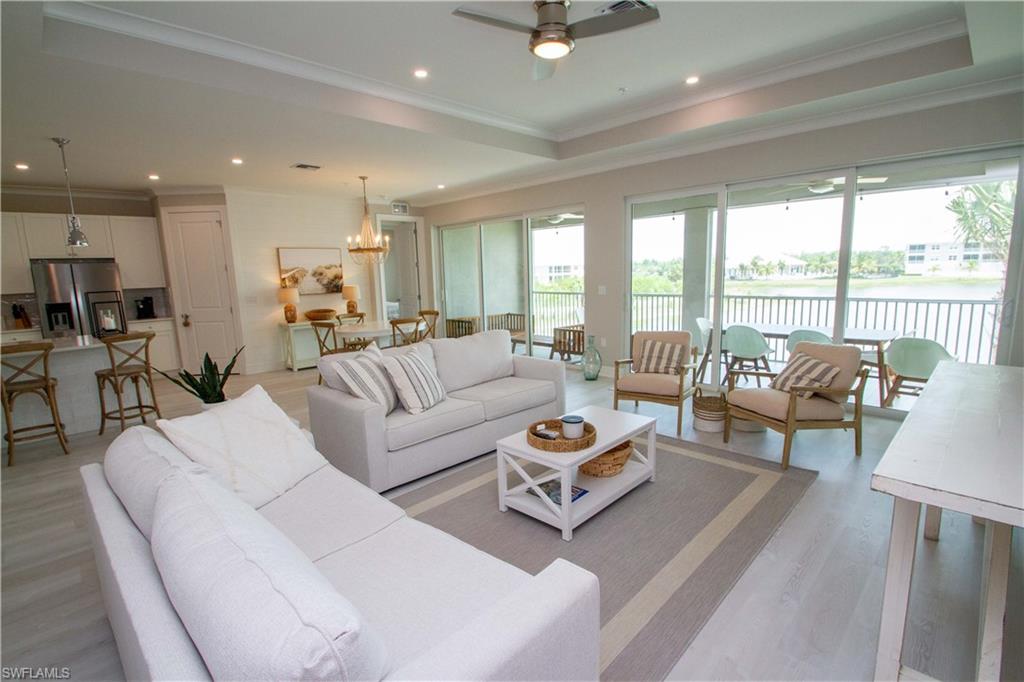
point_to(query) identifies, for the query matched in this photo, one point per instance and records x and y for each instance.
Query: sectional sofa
(491, 393)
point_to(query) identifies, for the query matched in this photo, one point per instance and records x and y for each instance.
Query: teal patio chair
(747, 346)
(704, 327)
(910, 359)
(811, 335)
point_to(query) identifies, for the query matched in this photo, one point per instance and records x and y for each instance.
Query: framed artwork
(311, 270)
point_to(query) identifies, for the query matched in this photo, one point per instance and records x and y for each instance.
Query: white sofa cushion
(249, 444)
(135, 464)
(509, 395)
(474, 359)
(325, 365)
(653, 383)
(255, 606)
(405, 429)
(328, 511)
(433, 585)
(417, 385)
(423, 349)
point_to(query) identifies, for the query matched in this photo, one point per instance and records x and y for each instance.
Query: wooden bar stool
(326, 340)
(407, 330)
(430, 317)
(129, 360)
(20, 359)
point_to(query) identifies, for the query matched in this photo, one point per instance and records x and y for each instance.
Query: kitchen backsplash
(161, 306)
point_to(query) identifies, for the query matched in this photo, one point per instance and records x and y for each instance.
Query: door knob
(185, 321)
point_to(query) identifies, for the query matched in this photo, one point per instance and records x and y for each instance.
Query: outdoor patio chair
(665, 389)
(705, 327)
(746, 346)
(910, 359)
(787, 413)
(812, 335)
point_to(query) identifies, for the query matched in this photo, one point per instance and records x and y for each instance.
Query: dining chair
(407, 330)
(812, 335)
(910, 359)
(129, 361)
(746, 346)
(24, 378)
(430, 317)
(705, 327)
(355, 344)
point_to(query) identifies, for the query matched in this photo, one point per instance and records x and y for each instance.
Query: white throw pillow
(471, 360)
(255, 606)
(363, 376)
(417, 385)
(249, 444)
(328, 365)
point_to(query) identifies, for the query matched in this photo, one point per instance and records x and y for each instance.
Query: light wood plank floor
(807, 608)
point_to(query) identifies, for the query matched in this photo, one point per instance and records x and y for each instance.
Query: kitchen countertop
(153, 319)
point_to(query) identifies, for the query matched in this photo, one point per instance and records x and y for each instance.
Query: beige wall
(14, 201)
(261, 222)
(990, 122)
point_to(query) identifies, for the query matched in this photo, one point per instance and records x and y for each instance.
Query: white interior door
(198, 254)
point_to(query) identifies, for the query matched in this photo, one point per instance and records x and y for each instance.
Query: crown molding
(45, 191)
(882, 47)
(152, 30)
(976, 91)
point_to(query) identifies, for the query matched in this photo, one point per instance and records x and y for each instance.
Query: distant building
(950, 258)
(545, 274)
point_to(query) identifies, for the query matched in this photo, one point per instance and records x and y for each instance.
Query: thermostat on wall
(399, 208)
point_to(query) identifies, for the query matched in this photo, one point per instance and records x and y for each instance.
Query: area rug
(666, 554)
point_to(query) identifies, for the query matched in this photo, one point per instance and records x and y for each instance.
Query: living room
(640, 233)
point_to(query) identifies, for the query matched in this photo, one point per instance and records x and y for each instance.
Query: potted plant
(209, 385)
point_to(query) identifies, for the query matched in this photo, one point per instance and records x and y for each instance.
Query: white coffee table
(613, 427)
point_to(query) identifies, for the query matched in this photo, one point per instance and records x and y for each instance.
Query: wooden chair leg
(101, 386)
(138, 398)
(728, 426)
(152, 395)
(857, 439)
(786, 447)
(679, 419)
(119, 392)
(9, 436)
(51, 396)
(636, 404)
(893, 391)
(615, 400)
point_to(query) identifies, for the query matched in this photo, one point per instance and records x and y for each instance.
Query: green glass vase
(591, 361)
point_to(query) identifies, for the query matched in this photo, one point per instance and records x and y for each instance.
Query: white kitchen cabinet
(15, 275)
(163, 350)
(136, 244)
(46, 235)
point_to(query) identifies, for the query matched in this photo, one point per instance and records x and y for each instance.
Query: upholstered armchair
(787, 413)
(666, 389)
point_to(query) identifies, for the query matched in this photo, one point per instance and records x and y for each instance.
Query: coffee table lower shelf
(601, 492)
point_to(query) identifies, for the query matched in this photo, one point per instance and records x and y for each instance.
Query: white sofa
(491, 394)
(443, 609)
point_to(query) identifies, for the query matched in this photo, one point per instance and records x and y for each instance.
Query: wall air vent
(622, 6)
(306, 166)
(399, 208)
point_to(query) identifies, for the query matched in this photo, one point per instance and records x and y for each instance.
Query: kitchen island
(73, 363)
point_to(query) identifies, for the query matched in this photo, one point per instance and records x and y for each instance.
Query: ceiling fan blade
(482, 18)
(610, 23)
(544, 69)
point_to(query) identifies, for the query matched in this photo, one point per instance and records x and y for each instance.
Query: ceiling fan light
(821, 187)
(551, 44)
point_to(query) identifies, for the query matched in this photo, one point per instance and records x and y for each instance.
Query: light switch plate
(602, 290)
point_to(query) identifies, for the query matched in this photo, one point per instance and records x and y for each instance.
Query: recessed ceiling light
(693, 80)
(154, 176)
(237, 161)
(21, 166)
(421, 73)
(440, 186)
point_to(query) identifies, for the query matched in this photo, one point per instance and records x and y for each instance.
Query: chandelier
(368, 247)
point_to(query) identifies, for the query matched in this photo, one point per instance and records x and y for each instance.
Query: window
(936, 247)
(970, 256)
(915, 259)
(974, 246)
(915, 247)
(952, 258)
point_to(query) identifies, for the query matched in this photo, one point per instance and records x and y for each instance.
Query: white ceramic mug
(572, 426)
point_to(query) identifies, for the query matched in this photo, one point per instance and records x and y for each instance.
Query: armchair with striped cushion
(666, 374)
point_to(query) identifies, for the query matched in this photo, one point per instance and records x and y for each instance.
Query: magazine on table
(553, 489)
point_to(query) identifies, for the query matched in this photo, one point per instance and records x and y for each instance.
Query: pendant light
(75, 235)
(368, 247)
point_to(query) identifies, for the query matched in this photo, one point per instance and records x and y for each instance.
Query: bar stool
(407, 330)
(135, 366)
(21, 358)
(430, 317)
(326, 340)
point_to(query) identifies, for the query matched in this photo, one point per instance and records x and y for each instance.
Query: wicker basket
(562, 444)
(610, 463)
(710, 408)
(321, 314)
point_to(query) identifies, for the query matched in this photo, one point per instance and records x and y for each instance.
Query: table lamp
(350, 292)
(289, 296)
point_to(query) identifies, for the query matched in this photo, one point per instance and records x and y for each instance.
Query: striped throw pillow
(418, 387)
(364, 377)
(660, 357)
(803, 370)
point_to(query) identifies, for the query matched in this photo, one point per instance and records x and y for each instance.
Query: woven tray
(562, 444)
(610, 463)
(320, 314)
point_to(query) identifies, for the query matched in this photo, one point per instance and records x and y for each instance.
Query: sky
(887, 219)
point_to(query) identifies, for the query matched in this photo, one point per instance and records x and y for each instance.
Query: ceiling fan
(556, 219)
(829, 184)
(553, 37)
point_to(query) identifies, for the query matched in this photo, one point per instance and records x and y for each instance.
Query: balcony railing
(556, 309)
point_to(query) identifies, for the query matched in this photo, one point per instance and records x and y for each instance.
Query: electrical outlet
(604, 342)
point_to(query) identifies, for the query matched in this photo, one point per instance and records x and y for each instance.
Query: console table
(959, 448)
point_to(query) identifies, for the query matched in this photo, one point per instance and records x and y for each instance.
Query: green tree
(984, 214)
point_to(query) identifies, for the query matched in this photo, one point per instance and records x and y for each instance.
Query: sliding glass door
(503, 254)
(557, 300)
(461, 289)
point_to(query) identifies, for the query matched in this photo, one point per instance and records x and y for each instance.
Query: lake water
(979, 290)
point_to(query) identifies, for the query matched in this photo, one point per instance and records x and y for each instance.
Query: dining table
(878, 339)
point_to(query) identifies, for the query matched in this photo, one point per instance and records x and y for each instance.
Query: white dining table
(959, 448)
(374, 329)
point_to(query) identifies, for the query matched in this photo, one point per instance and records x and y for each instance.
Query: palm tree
(984, 214)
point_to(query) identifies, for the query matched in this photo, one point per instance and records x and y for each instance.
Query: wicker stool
(129, 360)
(21, 358)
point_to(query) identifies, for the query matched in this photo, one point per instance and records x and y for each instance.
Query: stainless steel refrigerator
(79, 296)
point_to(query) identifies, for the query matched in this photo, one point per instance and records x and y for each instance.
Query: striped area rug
(666, 554)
